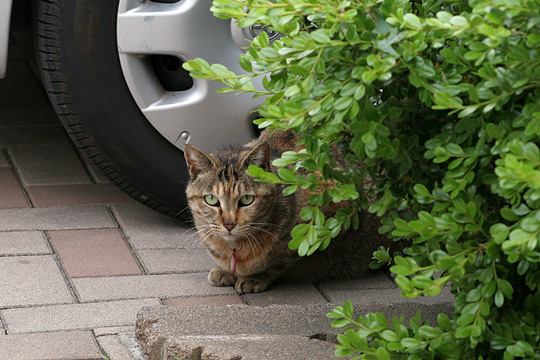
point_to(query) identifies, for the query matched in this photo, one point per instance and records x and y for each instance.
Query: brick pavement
(78, 258)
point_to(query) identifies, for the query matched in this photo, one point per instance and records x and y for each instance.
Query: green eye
(211, 200)
(247, 200)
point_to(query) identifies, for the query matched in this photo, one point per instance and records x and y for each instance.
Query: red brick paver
(95, 252)
(77, 194)
(11, 193)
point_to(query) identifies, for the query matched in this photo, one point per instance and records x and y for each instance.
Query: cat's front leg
(254, 284)
(219, 277)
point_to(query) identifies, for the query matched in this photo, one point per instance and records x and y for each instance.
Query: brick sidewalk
(78, 258)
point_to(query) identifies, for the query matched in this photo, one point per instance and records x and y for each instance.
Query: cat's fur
(262, 230)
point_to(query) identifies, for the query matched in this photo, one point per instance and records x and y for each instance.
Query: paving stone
(148, 229)
(49, 165)
(11, 193)
(121, 347)
(85, 217)
(390, 302)
(3, 160)
(203, 300)
(113, 330)
(54, 345)
(176, 260)
(23, 243)
(95, 252)
(134, 287)
(24, 136)
(78, 194)
(31, 280)
(287, 293)
(13, 100)
(375, 280)
(26, 117)
(73, 316)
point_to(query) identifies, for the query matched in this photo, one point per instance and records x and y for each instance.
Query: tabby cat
(245, 225)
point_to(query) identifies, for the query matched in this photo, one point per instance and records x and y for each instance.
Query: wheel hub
(186, 29)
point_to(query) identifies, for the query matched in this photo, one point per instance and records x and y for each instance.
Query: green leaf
(412, 21)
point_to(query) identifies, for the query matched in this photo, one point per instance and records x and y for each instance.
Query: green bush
(436, 105)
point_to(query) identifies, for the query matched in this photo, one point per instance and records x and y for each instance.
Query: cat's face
(224, 200)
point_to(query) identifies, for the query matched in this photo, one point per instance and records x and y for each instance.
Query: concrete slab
(176, 260)
(251, 332)
(390, 302)
(245, 347)
(49, 165)
(73, 316)
(136, 287)
(70, 345)
(287, 293)
(23, 243)
(32, 280)
(148, 229)
(164, 322)
(84, 217)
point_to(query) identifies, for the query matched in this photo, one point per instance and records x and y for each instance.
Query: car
(113, 72)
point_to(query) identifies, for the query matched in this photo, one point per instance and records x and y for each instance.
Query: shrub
(437, 103)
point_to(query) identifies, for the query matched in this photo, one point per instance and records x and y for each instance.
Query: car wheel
(112, 70)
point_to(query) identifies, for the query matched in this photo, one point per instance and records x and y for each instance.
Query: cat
(245, 225)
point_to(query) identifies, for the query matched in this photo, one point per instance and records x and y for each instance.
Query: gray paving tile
(3, 160)
(31, 280)
(286, 294)
(24, 136)
(58, 345)
(49, 165)
(175, 260)
(23, 242)
(376, 280)
(85, 217)
(148, 229)
(73, 316)
(145, 286)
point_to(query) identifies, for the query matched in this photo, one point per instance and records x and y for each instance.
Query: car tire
(77, 57)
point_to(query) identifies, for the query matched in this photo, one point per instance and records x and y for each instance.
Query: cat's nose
(229, 226)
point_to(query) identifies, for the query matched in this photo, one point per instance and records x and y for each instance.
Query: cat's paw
(247, 285)
(218, 277)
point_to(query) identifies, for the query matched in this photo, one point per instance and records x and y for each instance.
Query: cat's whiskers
(273, 237)
(193, 236)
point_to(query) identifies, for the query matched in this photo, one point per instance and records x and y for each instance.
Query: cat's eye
(247, 200)
(211, 200)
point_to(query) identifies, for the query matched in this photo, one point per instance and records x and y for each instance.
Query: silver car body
(5, 16)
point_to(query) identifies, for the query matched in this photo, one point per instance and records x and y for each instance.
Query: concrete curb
(235, 332)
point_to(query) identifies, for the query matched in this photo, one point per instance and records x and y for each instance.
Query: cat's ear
(259, 155)
(197, 161)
